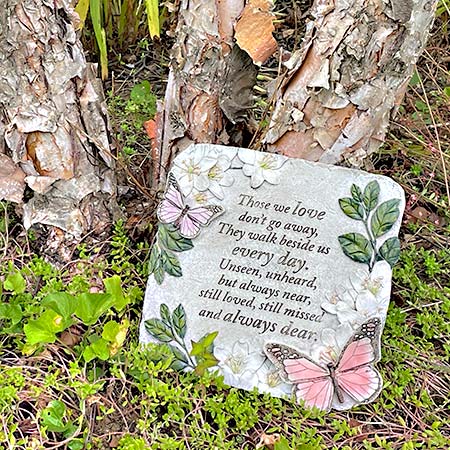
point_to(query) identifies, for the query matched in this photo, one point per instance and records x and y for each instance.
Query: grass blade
(151, 6)
(100, 35)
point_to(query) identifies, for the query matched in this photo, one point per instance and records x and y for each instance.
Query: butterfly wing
(361, 384)
(315, 393)
(313, 383)
(195, 217)
(171, 207)
(354, 372)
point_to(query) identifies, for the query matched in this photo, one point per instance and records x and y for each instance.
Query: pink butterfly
(353, 375)
(173, 209)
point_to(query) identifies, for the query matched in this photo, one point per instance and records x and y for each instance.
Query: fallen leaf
(268, 440)
(419, 214)
(254, 31)
(154, 128)
(70, 337)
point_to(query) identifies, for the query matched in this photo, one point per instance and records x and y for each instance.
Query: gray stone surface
(295, 253)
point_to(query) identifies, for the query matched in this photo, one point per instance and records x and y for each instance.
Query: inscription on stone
(275, 272)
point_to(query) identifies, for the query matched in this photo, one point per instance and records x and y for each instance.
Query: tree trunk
(53, 120)
(334, 101)
(211, 80)
(348, 78)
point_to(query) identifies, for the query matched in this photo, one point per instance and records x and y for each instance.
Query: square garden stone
(274, 271)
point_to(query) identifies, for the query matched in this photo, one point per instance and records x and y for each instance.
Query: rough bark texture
(53, 126)
(210, 81)
(348, 78)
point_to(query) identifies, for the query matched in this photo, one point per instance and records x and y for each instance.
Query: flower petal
(328, 337)
(329, 307)
(223, 162)
(247, 156)
(201, 182)
(257, 178)
(272, 176)
(227, 179)
(185, 182)
(216, 189)
(366, 304)
(248, 170)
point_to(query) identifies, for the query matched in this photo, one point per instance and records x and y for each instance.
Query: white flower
(202, 198)
(342, 304)
(261, 167)
(367, 297)
(376, 282)
(332, 341)
(216, 177)
(370, 306)
(192, 164)
(373, 290)
(269, 380)
(238, 365)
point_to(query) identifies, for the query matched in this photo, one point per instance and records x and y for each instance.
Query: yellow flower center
(191, 168)
(236, 363)
(267, 162)
(334, 299)
(200, 197)
(215, 173)
(374, 285)
(273, 379)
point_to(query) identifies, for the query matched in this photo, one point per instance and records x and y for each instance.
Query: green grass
(130, 398)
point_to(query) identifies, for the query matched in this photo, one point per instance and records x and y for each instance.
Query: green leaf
(90, 306)
(113, 286)
(180, 360)
(165, 313)
(154, 260)
(159, 274)
(282, 444)
(170, 238)
(141, 93)
(98, 349)
(82, 9)
(352, 208)
(204, 345)
(43, 330)
(155, 265)
(101, 349)
(52, 416)
(390, 251)
(385, 217)
(179, 321)
(110, 330)
(356, 193)
(205, 362)
(356, 247)
(171, 264)
(61, 302)
(415, 79)
(159, 330)
(11, 312)
(15, 282)
(89, 354)
(76, 444)
(371, 194)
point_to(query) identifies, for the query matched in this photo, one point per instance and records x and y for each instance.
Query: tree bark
(334, 101)
(348, 78)
(210, 81)
(53, 120)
